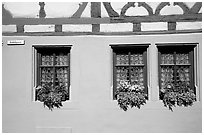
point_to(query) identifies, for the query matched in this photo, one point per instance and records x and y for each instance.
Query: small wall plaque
(15, 42)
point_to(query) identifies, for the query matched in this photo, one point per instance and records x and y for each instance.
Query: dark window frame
(52, 49)
(128, 48)
(176, 48)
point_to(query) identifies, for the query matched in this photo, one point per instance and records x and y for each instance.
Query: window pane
(47, 76)
(166, 75)
(62, 76)
(121, 74)
(167, 59)
(182, 58)
(136, 59)
(47, 60)
(183, 74)
(61, 59)
(122, 59)
(137, 75)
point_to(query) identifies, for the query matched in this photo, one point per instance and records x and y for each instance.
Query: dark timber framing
(95, 13)
(174, 48)
(128, 49)
(189, 15)
(52, 49)
(104, 20)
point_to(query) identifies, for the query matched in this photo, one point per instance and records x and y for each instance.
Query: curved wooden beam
(6, 14)
(146, 6)
(160, 6)
(196, 7)
(183, 6)
(79, 11)
(110, 10)
(126, 7)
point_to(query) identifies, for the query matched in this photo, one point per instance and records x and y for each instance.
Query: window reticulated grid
(130, 65)
(176, 65)
(53, 67)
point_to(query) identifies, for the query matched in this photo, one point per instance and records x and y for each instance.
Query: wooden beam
(136, 27)
(20, 28)
(146, 6)
(160, 18)
(183, 6)
(101, 33)
(6, 14)
(49, 21)
(81, 8)
(160, 7)
(171, 25)
(96, 13)
(96, 9)
(58, 28)
(105, 20)
(126, 7)
(42, 13)
(196, 7)
(111, 12)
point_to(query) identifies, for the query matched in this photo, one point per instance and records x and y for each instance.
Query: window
(129, 64)
(53, 66)
(176, 64)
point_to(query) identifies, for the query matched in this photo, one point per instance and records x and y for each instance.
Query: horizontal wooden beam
(49, 21)
(105, 20)
(101, 33)
(159, 18)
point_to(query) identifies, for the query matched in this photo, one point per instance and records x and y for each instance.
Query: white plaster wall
(91, 108)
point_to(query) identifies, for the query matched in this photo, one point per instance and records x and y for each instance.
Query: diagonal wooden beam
(111, 12)
(6, 14)
(196, 7)
(80, 10)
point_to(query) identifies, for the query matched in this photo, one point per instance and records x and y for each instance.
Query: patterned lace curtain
(178, 63)
(130, 68)
(54, 67)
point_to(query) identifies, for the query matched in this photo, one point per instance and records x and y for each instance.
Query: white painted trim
(33, 74)
(148, 73)
(111, 90)
(196, 72)
(70, 90)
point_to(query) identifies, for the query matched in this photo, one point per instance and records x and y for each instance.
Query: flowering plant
(179, 94)
(132, 95)
(51, 96)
